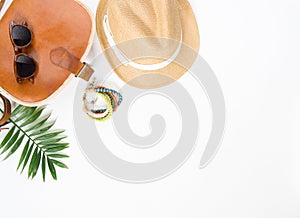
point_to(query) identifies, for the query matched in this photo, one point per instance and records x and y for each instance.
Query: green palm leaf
(58, 156)
(26, 113)
(43, 129)
(36, 164)
(52, 168)
(39, 123)
(42, 143)
(15, 147)
(53, 150)
(11, 142)
(7, 137)
(52, 141)
(33, 117)
(60, 164)
(49, 135)
(17, 110)
(24, 152)
(32, 162)
(44, 167)
(27, 157)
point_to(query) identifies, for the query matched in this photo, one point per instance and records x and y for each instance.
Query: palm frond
(31, 130)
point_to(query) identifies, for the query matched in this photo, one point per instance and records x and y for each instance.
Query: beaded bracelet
(112, 100)
(101, 116)
(101, 89)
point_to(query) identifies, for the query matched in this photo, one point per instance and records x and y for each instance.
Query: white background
(253, 47)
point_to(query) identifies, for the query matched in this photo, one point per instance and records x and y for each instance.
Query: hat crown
(136, 19)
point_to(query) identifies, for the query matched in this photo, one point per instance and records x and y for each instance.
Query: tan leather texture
(64, 59)
(54, 24)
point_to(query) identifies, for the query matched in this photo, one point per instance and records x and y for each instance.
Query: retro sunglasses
(24, 65)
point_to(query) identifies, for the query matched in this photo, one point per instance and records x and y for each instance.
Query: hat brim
(148, 79)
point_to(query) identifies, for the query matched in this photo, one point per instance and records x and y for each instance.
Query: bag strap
(64, 59)
(7, 111)
(1, 4)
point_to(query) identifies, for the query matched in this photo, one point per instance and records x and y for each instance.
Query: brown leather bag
(62, 36)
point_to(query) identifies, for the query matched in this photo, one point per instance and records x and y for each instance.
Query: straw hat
(148, 43)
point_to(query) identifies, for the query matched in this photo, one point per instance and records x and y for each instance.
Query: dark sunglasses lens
(21, 35)
(25, 66)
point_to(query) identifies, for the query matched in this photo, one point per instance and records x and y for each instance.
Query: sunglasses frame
(18, 52)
